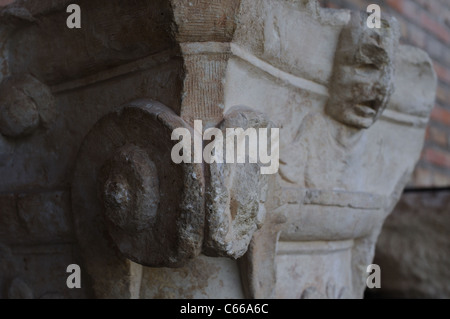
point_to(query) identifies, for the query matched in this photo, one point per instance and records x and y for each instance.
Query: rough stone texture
(164, 237)
(19, 290)
(346, 149)
(426, 25)
(344, 158)
(236, 193)
(25, 103)
(129, 189)
(104, 41)
(413, 247)
(45, 216)
(201, 278)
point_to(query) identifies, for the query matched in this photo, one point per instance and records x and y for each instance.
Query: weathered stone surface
(6, 267)
(413, 247)
(236, 193)
(46, 217)
(201, 278)
(9, 221)
(105, 39)
(286, 33)
(347, 147)
(79, 105)
(258, 266)
(166, 237)
(19, 290)
(38, 271)
(129, 188)
(347, 169)
(43, 269)
(39, 217)
(416, 66)
(217, 20)
(25, 104)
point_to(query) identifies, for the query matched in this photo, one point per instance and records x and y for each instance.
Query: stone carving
(236, 194)
(153, 207)
(334, 207)
(148, 228)
(25, 103)
(6, 261)
(19, 290)
(360, 88)
(331, 293)
(11, 286)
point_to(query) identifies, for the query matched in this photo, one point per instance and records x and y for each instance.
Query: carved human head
(362, 80)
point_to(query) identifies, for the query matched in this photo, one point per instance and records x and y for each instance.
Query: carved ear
(414, 68)
(235, 194)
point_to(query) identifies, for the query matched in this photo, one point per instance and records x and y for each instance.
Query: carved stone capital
(147, 227)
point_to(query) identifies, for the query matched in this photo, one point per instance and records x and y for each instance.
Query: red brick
(437, 157)
(443, 95)
(435, 8)
(396, 4)
(434, 27)
(442, 72)
(428, 134)
(412, 11)
(441, 115)
(5, 2)
(416, 35)
(407, 9)
(422, 177)
(437, 136)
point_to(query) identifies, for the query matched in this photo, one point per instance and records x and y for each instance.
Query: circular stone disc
(175, 235)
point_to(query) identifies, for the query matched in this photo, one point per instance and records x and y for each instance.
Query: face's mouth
(367, 108)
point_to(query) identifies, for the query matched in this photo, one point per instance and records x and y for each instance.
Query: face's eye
(368, 67)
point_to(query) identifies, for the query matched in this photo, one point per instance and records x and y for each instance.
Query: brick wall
(5, 2)
(425, 24)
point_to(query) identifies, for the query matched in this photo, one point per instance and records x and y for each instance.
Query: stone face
(362, 81)
(412, 250)
(74, 145)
